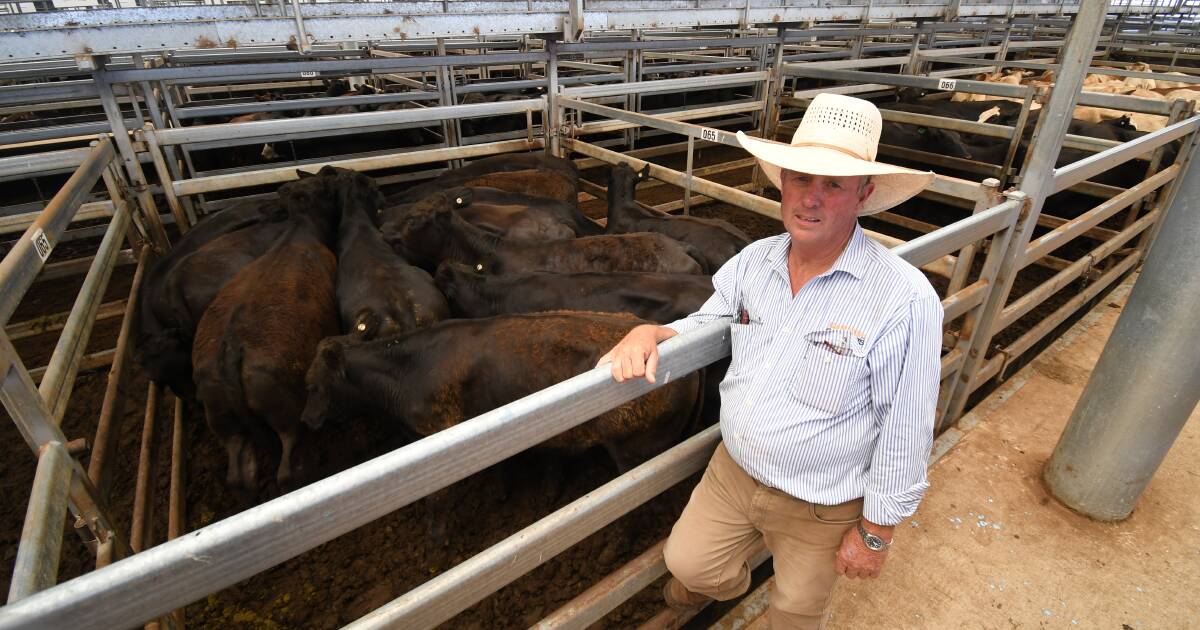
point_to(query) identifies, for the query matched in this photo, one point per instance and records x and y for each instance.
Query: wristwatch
(873, 542)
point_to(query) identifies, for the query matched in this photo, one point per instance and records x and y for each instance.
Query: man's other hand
(855, 560)
(637, 354)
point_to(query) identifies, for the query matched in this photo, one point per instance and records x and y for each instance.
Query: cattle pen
(116, 158)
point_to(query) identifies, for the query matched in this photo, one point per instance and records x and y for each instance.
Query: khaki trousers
(729, 512)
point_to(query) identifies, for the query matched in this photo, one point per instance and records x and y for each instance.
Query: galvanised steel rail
(60, 481)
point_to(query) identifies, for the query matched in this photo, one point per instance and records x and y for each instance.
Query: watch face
(874, 542)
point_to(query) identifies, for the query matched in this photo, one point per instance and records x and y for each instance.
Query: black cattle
(508, 214)
(657, 297)
(925, 138)
(716, 240)
(438, 377)
(378, 293)
(257, 338)
(163, 341)
(431, 232)
(500, 123)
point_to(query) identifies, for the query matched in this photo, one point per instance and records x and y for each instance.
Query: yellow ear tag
(362, 327)
(479, 267)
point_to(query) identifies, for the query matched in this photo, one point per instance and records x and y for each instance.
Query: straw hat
(839, 136)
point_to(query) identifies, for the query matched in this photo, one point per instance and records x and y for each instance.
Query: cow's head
(359, 191)
(943, 141)
(421, 234)
(325, 378)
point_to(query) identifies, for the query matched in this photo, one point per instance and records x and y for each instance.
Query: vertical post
(639, 62)
(175, 506)
(183, 218)
(1146, 383)
(137, 178)
(156, 117)
(631, 71)
(143, 494)
(913, 66)
(451, 129)
(972, 331)
(989, 196)
(770, 121)
(687, 189)
(554, 113)
(1037, 184)
(301, 37)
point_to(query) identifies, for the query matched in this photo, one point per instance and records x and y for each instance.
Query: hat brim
(893, 184)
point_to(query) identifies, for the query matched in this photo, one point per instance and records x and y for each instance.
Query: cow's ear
(644, 173)
(304, 174)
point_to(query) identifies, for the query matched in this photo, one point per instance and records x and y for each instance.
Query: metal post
(1146, 383)
(184, 215)
(687, 190)
(552, 120)
(1037, 184)
(451, 129)
(301, 37)
(133, 167)
(770, 121)
(156, 117)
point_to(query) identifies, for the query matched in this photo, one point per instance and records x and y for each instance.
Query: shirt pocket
(749, 342)
(832, 373)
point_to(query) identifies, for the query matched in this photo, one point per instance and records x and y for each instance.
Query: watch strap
(873, 542)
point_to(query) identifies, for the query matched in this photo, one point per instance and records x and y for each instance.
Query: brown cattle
(257, 338)
(163, 339)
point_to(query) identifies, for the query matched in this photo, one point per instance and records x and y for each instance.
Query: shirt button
(828, 360)
(787, 330)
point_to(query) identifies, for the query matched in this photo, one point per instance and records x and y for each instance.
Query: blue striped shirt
(831, 394)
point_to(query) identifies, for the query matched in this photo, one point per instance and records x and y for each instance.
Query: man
(827, 409)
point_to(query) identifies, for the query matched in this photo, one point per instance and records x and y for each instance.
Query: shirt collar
(852, 260)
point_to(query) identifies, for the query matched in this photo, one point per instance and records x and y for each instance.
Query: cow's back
(610, 252)
(276, 310)
(450, 377)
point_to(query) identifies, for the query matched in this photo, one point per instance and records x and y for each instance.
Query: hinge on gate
(570, 124)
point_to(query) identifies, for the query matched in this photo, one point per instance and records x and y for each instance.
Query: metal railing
(60, 482)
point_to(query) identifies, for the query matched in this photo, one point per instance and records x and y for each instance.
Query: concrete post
(1147, 382)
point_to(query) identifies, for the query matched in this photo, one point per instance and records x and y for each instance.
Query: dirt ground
(346, 578)
(990, 548)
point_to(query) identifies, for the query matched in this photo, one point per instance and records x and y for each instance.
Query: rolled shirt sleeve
(722, 303)
(905, 377)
